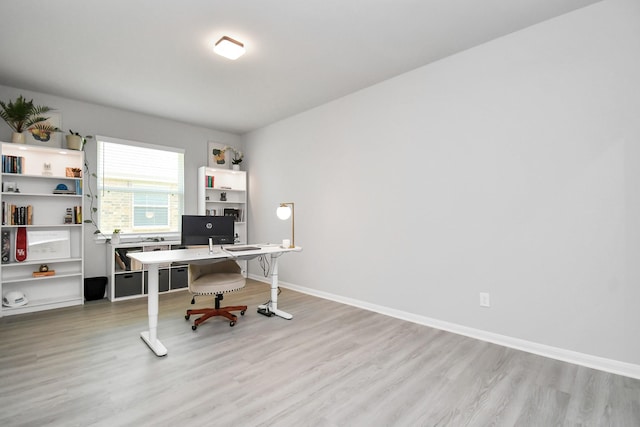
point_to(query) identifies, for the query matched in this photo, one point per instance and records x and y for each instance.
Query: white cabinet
(128, 278)
(33, 199)
(224, 192)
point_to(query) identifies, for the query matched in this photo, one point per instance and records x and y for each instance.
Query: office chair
(215, 279)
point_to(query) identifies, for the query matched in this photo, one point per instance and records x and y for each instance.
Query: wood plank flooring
(332, 365)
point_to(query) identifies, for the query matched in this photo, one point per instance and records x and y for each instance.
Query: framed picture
(217, 156)
(47, 139)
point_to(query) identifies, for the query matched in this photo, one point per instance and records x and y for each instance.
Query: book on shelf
(12, 164)
(209, 181)
(16, 215)
(77, 214)
(6, 246)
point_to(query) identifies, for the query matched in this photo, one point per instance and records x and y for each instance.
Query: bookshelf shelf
(30, 175)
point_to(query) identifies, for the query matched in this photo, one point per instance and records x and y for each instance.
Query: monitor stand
(210, 245)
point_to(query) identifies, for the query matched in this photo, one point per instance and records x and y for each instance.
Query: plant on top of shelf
(237, 155)
(75, 141)
(22, 115)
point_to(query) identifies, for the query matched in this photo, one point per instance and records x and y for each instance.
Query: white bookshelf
(40, 171)
(212, 184)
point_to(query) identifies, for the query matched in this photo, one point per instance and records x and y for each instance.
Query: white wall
(97, 120)
(512, 168)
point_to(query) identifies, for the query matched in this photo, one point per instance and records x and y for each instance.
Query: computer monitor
(198, 229)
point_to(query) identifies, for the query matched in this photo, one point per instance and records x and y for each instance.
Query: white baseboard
(590, 361)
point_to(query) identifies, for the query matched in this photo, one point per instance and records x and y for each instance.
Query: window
(140, 187)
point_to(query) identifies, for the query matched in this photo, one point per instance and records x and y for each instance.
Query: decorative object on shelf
(63, 189)
(21, 115)
(10, 187)
(115, 237)
(14, 299)
(283, 212)
(68, 217)
(75, 141)
(73, 172)
(46, 169)
(44, 273)
(21, 244)
(223, 196)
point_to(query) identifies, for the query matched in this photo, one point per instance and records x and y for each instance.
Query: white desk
(153, 259)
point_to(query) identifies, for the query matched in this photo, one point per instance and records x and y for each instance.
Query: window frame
(100, 189)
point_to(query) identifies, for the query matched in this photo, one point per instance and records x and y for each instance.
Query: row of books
(23, 215)
(16, 215)
(12, 164)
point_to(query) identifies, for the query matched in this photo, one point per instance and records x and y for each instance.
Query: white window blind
(140, 187)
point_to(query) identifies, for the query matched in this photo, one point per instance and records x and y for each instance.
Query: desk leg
(273, 305)
(150, 337)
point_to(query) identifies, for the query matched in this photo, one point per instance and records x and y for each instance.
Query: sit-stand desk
(153, 259)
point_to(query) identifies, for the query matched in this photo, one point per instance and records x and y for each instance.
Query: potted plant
(115, 237)
(75, 141)
(21, 115)
(236, 159)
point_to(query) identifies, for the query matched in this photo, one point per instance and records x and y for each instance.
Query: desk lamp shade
(284, 211)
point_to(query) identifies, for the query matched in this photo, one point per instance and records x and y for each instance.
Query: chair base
(211, 312)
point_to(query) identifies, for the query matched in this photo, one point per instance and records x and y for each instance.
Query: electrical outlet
(484, 299)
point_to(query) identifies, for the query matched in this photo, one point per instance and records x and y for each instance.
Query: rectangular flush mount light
(229, 48)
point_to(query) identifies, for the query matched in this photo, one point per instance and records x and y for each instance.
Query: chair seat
(218, 283)
(215, 279)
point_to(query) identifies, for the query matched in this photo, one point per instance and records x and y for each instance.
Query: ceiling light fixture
(229, 48)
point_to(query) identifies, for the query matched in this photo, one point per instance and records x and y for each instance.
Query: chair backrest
(215, 278)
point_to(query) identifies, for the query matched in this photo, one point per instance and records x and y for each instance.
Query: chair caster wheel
(232, 323)
(187, 317)
(242, 313)
(194, 327)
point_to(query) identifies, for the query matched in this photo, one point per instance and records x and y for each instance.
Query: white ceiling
(155, 57)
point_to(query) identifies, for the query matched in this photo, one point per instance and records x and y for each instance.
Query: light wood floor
(332, 365)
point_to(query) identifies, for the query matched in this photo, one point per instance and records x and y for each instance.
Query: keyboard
(241, 248)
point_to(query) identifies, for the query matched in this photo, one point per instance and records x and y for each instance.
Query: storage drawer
(163, 280)
(179, 277)
(127, 284)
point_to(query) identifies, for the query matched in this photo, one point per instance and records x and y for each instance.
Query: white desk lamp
(285, 211)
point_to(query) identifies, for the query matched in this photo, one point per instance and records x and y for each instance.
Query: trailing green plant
(93, 198)
(21, 114)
